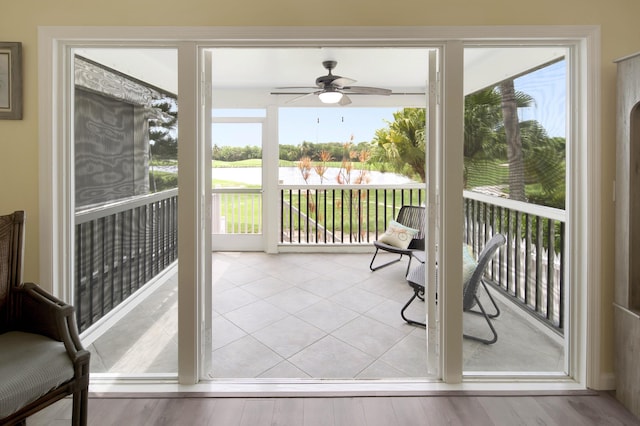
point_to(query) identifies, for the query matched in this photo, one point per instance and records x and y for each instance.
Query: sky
(337, 124)
(548, 87)
(331, 124)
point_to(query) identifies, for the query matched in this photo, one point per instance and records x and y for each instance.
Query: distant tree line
(315, 151)
(311, 150)
(236, 153)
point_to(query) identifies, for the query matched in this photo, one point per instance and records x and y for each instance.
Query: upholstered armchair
(41, 357)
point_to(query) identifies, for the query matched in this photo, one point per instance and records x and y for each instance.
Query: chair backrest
(11, 254)
(469, 291)
(414, 217)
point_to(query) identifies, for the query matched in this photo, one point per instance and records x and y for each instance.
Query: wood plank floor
(589, 408)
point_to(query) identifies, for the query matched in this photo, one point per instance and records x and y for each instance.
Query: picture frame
(10, 80)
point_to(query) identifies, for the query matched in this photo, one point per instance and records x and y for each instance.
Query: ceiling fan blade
(297, 88)
(297, 98)
(363, 90)
(342, 81)
(297, 92)
(345, 100)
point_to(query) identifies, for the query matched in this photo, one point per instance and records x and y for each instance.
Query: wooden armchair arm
(41, 313)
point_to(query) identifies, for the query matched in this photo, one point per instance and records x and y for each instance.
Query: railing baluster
(291, 236)
(359, 219)
(350, 215)
(80, 249)
(486, 232)
(315, 226)
(527, 258)
(502, 254)
(367, 224)
(333, 217)
(510, 262)
(127, 227)
(494, 227)
(325, 231)
(342, 215)
(306, 229)
(393, 192)
(539, 251)
(561, 280)
(299, 210)
(550, 269)
(517, 255)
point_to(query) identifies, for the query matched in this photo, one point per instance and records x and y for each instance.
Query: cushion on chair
(30, 366)
(398, 235)
(468, 264)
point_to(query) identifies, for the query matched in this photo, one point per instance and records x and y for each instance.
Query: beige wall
(19, 21)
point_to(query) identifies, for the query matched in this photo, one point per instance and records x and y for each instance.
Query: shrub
(161, 181)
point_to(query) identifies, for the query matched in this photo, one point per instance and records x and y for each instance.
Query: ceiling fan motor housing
(326, 80)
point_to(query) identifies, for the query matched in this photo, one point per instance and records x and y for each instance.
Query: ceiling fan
(332, 89)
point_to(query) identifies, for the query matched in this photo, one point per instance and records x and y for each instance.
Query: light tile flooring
(312, 316)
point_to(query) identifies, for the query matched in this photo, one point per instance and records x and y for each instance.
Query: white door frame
(56, 220)
(244, 242)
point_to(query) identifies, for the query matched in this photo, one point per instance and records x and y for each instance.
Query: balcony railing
(122, 246)
(341, 214)
(119, 247)
(236, 210)
(530, 267)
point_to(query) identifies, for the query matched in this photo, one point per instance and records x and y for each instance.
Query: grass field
(344, 212)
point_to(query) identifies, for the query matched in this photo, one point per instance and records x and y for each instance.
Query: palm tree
(493, 132)
(482, 121)
(401, 146)
(514, 143)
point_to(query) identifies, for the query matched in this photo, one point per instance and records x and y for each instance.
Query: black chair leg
(493, 302)
(384, 264)
(406, 273)
(418, 292)
(488, 319)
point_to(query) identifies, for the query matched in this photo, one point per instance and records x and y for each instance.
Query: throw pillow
(468, 263)
(398, 235)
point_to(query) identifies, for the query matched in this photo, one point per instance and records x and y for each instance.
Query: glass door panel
(236, 209)
(125, 183)
(514, 177)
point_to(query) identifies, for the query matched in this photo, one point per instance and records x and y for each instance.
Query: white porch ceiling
(245, 76)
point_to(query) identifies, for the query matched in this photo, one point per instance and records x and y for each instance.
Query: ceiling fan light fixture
(330, 97)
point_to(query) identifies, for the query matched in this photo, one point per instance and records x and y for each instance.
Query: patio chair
(42, 359)
(472, 277)
(404, 236)
(470, 297)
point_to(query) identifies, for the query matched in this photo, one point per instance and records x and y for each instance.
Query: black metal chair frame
(415, 278)
(470, 292)
(413, 217)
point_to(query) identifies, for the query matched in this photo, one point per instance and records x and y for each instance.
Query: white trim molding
(56, 177)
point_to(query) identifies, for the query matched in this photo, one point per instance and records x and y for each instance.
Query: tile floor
(312, 316)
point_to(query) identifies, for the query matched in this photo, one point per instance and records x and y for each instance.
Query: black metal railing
(530, 267)
(119, 247)
(341, 214)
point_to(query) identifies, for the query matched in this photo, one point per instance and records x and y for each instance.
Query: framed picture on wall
(10, 80)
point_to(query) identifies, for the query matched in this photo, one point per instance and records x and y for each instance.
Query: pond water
(292, 176)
